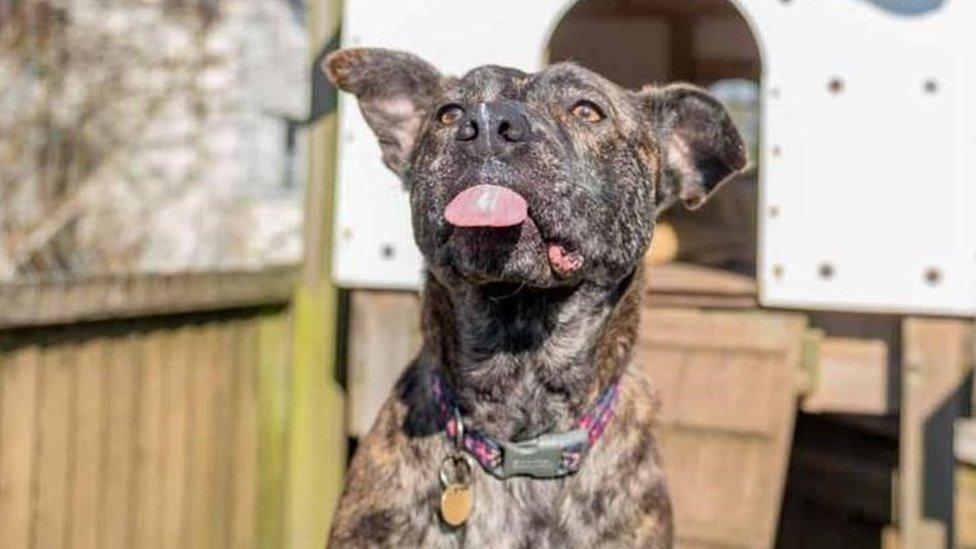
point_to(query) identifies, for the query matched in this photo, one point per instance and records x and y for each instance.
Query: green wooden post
(317, 439)
(272, 347)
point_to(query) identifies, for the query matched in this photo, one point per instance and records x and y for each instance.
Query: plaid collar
(550, 455)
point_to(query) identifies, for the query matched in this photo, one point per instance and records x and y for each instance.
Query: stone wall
(150, 135)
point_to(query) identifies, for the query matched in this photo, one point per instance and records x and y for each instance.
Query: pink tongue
(486, 206)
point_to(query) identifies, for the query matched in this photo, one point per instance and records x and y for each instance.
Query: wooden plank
(225, 361)
(243, 494)
(700, 301)
(965, 509)
(18, 429)
(384, 336)
(724, 467)
(937, 357)
(89, 442)
(123, 362)
(126, 296)
(732, 392)
(151, 449)
(687, 279)
(203, 393)
(55, 450)
(850, 376)
(174, 478)
(667, 374)
(273, 381)
(756, 331)
(728, 386)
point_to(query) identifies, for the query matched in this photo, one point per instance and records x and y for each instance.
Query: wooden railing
(52, 301)
(145, 411)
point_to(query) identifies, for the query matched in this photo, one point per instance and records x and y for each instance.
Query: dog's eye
(587, 110)
(449, 114)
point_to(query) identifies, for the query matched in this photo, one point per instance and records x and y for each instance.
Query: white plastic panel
(868, 204)
(868, 192)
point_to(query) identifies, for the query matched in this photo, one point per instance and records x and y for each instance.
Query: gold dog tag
(456, 500)
(456, 504)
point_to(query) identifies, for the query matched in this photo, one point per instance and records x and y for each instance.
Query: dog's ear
(395, 90)
(700, 146)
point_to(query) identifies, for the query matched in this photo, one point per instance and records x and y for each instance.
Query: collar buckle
(540, 457)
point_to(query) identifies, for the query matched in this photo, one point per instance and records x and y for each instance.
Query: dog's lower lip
(563, 260)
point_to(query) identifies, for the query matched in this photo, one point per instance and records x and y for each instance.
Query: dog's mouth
(493, 217)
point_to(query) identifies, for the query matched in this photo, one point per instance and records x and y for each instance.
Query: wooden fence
(145, 411)
(185, 410)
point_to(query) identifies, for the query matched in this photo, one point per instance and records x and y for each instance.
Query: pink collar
(551, 455)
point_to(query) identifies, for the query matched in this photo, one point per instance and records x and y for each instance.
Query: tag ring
(455, 459)
(459, 430)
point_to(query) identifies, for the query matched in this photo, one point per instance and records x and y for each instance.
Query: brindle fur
(525, 349)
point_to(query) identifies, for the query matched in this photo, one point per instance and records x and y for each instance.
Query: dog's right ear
(702, 149)
(395, 90)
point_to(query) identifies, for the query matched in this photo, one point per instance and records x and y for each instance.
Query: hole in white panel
(826, 271)
(835, 86)
(388, 251)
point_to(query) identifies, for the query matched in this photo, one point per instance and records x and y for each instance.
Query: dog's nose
(494, 128)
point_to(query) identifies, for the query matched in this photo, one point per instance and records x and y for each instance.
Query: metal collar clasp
(540, 457)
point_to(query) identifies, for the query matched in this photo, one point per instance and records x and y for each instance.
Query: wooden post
(316, 441)
(272, 348)
(384, 332)
(937, 358)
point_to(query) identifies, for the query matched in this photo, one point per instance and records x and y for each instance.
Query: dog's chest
(523, 513)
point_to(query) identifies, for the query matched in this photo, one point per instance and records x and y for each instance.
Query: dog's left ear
(395, 90)
(700, 146)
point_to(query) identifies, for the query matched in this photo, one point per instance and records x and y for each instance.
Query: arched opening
(705, 42)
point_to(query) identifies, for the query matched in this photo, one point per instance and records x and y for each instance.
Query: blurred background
(151, 136)
(207, 288)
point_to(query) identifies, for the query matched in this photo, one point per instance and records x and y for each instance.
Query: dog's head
(540, 179)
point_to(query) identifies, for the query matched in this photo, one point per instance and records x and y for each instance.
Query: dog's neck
(532, 361)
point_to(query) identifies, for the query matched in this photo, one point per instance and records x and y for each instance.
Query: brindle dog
(531, 306)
